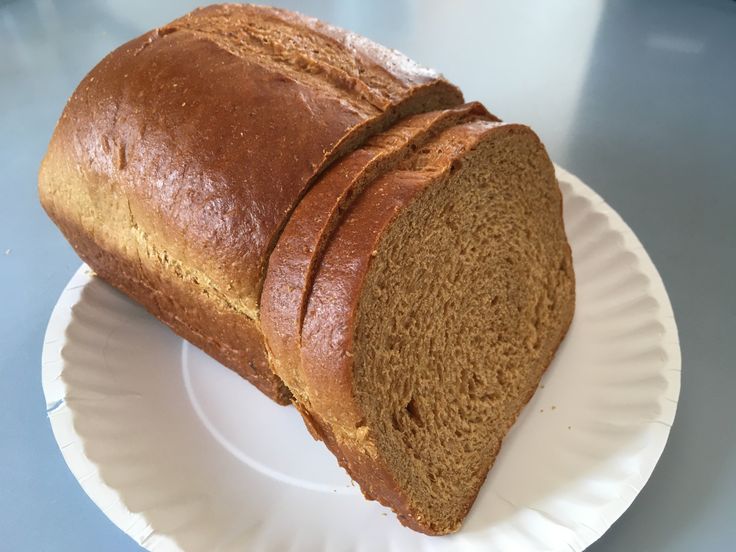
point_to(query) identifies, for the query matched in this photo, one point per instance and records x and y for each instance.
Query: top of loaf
(213, 127)
(354, 63)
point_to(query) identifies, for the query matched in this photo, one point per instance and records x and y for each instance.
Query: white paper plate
(180, 453)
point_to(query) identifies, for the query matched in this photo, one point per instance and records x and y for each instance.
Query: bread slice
(437, 306)
(180, 157)
(299, 250)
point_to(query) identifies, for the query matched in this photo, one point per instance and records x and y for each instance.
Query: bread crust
(229, 337)
(208, 140)
(328, 399)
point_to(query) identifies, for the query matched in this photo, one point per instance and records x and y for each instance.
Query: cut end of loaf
(466, 300)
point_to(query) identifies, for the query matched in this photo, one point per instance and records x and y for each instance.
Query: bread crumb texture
(466, 301)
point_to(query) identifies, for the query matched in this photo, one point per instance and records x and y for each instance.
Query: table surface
(637, 98)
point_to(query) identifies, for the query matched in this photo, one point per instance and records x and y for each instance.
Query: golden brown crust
(298, 252)
(229, 337)
(370, 73)
(209, 145)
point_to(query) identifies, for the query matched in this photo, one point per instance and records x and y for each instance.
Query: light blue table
(636, 97)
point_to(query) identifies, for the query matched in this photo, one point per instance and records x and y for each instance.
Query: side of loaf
(179, 158)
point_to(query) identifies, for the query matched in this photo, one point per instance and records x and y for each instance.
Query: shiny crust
(209, 141)
(298, 253)
(327, 400)
(371, 72)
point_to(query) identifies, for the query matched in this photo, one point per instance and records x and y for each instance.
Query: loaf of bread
(329, 220)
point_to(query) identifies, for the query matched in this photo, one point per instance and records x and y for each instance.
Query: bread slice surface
(437, 307)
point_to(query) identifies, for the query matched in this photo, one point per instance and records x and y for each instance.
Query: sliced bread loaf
(437, 306)
(405, 253)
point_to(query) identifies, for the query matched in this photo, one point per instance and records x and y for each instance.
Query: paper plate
(182, 454)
